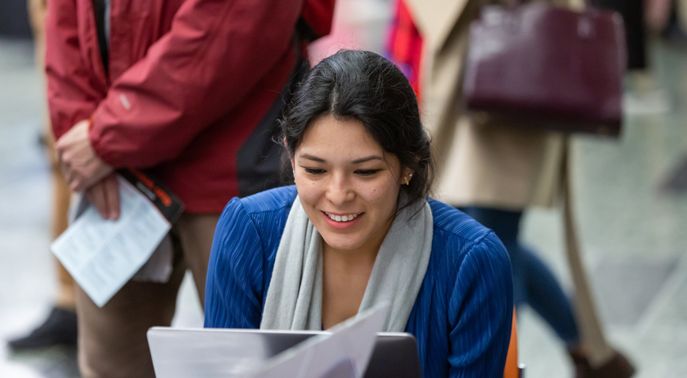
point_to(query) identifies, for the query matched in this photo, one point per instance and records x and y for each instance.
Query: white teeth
(342, 218)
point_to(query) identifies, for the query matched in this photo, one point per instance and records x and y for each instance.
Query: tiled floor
(634, 234)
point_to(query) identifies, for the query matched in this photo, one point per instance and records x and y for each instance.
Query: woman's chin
(342, 244)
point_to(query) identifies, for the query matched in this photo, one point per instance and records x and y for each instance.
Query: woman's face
(347, 184)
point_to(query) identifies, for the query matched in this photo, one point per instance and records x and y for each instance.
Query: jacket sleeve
(233, 289)
(212, 57)
(480, 311)
(72, 88)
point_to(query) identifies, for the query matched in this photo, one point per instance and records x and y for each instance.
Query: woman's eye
(314, 171)
(367, 172)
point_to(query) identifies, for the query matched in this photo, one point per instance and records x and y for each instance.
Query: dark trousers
(632, 12)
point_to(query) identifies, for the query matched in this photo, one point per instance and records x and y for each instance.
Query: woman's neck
(345, 278)
(349, 260)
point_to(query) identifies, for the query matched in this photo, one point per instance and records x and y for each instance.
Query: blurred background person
(676, 25)
(188, 91)
(357, 24)
(642, 93)
(495, 172)
(59, 327)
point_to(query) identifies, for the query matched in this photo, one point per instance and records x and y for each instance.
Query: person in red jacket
(188, 91)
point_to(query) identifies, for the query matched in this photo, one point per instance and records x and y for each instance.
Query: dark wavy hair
(367, 87)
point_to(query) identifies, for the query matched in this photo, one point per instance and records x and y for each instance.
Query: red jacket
(189, 84)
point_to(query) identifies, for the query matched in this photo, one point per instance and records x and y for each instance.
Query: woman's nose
(339, 191)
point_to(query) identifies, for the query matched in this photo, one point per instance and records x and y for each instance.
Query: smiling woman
(349, 188)
(358, 229)
(347, 185)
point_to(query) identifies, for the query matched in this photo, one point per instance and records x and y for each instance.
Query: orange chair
(512, 368)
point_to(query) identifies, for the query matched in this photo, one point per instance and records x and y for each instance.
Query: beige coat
(493, 165)
(477, 163)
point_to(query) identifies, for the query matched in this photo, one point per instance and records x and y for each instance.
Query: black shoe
(58, 329)
(42, 140)
(618, 366)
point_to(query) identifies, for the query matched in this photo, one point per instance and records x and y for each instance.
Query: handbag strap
(592, 335)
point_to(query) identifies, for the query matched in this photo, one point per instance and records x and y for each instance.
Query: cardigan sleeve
(233, 289)
(480, 311)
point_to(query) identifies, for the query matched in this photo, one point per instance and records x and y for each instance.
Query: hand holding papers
(102, 255)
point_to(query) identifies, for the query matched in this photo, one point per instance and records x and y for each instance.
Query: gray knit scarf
(294, 298)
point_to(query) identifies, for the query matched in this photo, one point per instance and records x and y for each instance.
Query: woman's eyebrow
(312, 157)
(356, 161)
(367, 158)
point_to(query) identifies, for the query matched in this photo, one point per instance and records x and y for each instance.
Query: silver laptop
(235, 350)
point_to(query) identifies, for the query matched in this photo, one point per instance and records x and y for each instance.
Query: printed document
(102, 255)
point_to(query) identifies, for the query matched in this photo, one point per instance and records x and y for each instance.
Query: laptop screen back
(226, 352)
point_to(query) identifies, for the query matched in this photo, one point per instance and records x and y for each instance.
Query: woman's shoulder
(455, 223)
(456, 234)
(271, 200)
(261, 211)
(268, 201)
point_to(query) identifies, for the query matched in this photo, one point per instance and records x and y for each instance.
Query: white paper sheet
(344, 353)
(102, 255)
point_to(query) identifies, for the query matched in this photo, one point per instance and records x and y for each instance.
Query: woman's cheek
(307, 190)
(380, 192)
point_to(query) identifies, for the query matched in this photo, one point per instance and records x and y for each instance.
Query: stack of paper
(102, 255)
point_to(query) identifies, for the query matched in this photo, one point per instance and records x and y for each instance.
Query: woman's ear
(406, 176)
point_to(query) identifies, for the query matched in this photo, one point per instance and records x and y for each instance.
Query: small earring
(406, 180)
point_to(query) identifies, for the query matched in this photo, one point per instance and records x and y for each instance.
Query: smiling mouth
(342, 218)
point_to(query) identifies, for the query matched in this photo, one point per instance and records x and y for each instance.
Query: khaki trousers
(61, 194)
(60, 217)
(112, 339)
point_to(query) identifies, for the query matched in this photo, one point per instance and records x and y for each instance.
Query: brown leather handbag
(546, 66)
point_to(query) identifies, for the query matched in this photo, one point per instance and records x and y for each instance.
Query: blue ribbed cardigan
(462, 314)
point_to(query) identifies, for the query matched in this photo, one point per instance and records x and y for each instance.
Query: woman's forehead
(328, 132)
